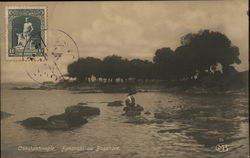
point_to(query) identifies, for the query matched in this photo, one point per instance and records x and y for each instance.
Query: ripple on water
(198, 123)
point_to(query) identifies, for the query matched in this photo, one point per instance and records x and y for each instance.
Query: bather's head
(27, 19)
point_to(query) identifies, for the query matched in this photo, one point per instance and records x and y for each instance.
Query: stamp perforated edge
(45, 8)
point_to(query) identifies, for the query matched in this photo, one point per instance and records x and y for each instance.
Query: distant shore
(140, 88)
(236, 83)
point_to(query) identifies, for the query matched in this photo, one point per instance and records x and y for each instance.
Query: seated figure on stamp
(24, 37)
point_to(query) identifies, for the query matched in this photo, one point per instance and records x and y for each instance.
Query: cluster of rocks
(129, 111)
(74, 116)
(134, 113)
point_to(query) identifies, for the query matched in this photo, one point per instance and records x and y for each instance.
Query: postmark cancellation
(26, 32)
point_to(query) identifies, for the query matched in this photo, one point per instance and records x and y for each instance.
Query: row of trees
(110, 69)
(200, 54)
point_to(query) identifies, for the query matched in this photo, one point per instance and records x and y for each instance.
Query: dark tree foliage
(198, 56)
(141, 69)
(206, 49)
(164, 63)
(111, 67)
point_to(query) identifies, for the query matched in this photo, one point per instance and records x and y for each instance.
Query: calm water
(199, 123)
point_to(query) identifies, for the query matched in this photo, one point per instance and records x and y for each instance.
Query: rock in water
(82, 110)
(133, 111)
(74, 116)
(60, 125)
(66, 121)
(147, 113)
(34, 122)
(138, 120)
(55, 122)
(162, 115)
(5, 115)
(139, 107)
(55, 118)
(82, 103)
(72, 119)
(115, 103)
(76, 120)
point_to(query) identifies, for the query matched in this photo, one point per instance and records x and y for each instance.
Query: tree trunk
(113, 80)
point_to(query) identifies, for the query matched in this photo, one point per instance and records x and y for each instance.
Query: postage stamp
(26, 32)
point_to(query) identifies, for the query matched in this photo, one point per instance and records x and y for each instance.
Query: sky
(136, 29)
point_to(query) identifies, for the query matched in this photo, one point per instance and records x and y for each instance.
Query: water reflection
(195, 125)
(211, 119)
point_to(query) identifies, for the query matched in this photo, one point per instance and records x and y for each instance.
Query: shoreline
(120, 88)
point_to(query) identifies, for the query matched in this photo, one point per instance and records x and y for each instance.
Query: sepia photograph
(125, 79)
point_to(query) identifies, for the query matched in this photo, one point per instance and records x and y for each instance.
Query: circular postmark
(60, 52)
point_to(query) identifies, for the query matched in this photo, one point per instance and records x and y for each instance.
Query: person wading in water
(130, 101)
(131, 108)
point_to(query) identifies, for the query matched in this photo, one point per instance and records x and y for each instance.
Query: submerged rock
(172, 130)
(84, 111)
(157, 121)
(5, 115)
(132, 113)
(115, 103)
(147, 113)
(138, 120)
(23, 88)
(82, 103)
(42, 114)
(162, 115)
(143, 120)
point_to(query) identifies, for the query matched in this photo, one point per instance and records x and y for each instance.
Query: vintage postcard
(125, 79)
(25, 32)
